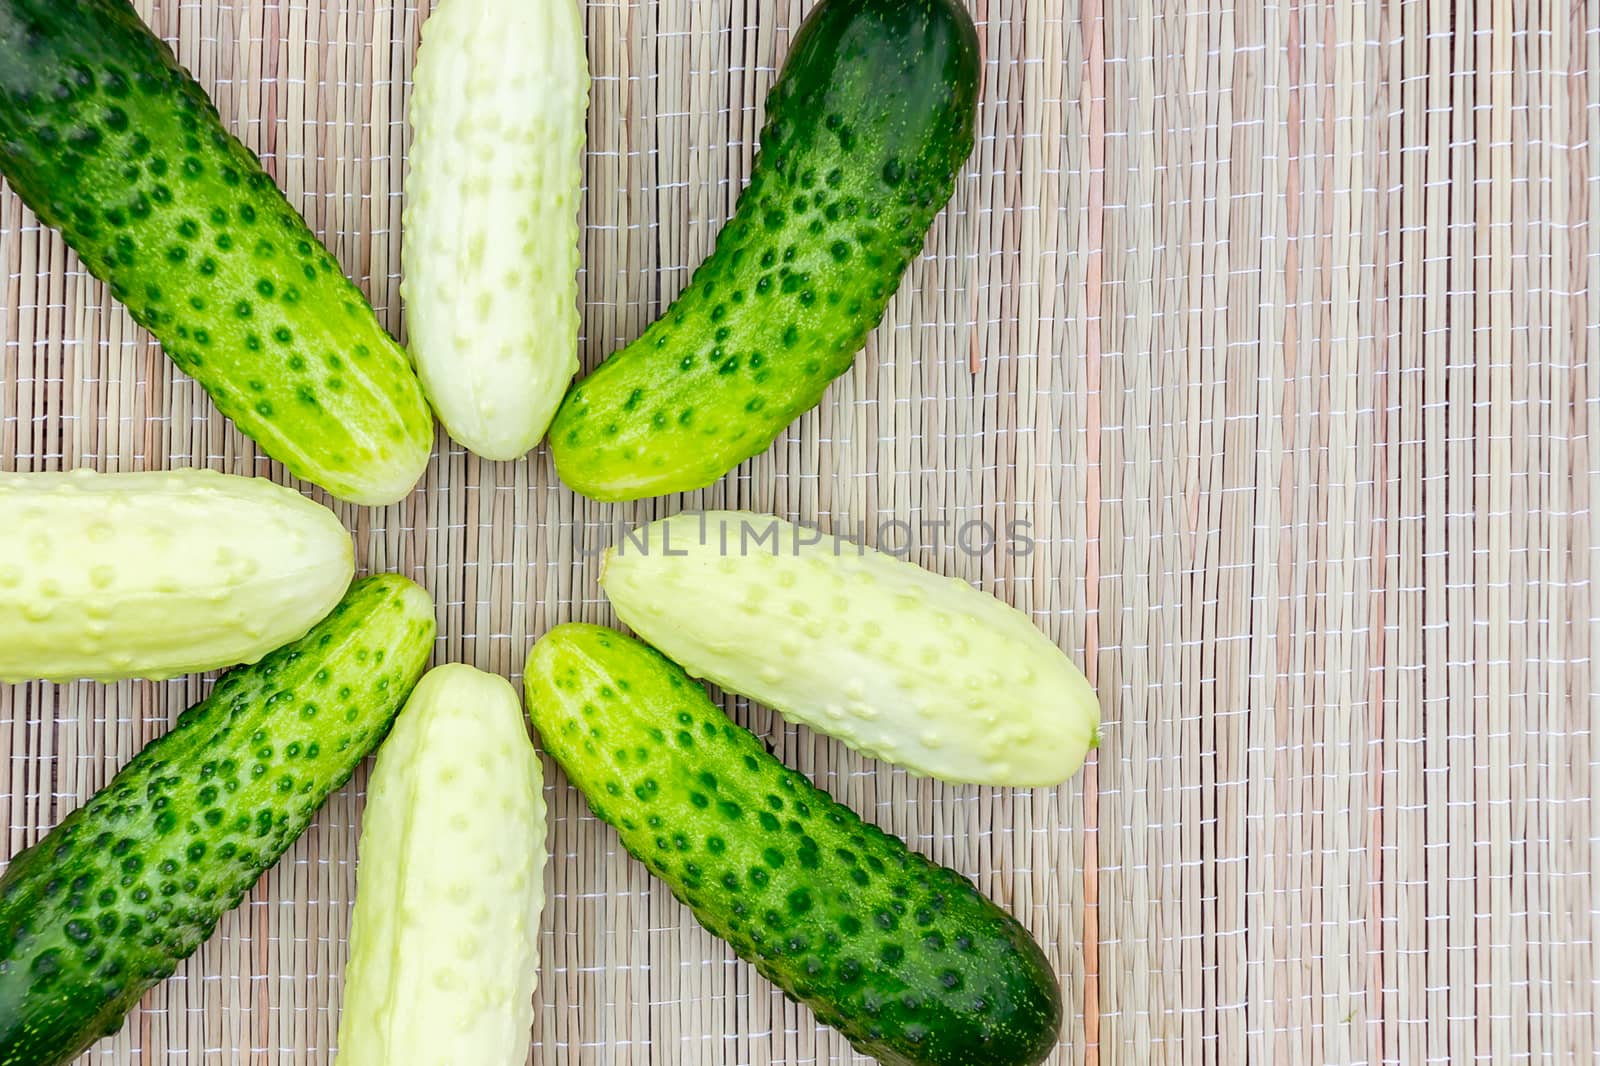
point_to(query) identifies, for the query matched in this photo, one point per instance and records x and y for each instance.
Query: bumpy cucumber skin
(444, 942)
(867, 125)
(155, 574)
(107, 138)
(903, 956)
(894, 660)
(128, 885)
(491, 221)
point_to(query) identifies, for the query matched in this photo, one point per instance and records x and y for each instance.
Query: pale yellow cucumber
(444, 943)
(108, 576)
(897, 662)
(490, 256)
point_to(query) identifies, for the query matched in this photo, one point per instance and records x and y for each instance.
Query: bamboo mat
(1270, 324)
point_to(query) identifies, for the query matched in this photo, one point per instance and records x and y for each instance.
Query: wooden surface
(1272, 324)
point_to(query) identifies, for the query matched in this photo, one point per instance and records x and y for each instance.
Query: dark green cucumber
(127, 886)
(867, 125)
(106, 137)
(903, 956)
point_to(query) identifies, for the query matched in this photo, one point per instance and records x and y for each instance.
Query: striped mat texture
(1260, 332)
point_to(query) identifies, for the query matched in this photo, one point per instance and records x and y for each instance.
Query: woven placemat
(1268, 327)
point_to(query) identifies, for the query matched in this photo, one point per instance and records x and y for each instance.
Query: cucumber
(903, 956)
(867, 125)
(127, 886)
(108, 139)
(107, 576)
(491, 231)
(897, 662)
(444, 952)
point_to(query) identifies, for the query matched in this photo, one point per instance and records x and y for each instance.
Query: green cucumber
(108, 139)
(894, 660)
(867, 125)
(128, 885)
(903, 956)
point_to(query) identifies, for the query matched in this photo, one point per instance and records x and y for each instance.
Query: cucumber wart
(903, 956)
(128, 885)
(107, 138)
(867, 126)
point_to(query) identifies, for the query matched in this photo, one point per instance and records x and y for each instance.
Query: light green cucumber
(867, 125)
(444, 944)
(491, 232)
(128, 885)
(896, 661)
(904, 957)
(108, 139)
(107, 576)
